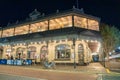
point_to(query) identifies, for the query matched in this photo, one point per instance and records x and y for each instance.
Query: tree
(110, 37)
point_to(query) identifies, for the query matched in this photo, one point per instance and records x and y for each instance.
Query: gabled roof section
(35, 12)
(35, 16)
(73, 11)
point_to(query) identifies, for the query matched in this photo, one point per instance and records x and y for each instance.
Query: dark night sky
(13, 10)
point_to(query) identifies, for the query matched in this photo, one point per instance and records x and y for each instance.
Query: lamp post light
(19, 54)
(27, 48)
(74, 53)
(47, 42)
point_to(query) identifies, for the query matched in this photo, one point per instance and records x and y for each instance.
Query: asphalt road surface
(111, 77)
(16, 77)
(39, 74)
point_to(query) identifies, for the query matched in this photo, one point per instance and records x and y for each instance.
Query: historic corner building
(65, 37)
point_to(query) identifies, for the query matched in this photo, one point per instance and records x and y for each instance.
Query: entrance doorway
(94, 46)
(80, 54)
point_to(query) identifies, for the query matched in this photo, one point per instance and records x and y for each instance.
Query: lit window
(31, 52)
(80, 53)
(93, 25)
(44, 53)
(80, 22)
(62, 51)
(62, 22)
(8, 32)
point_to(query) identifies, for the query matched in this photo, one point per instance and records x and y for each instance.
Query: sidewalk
(92, 68)
(62, 72)
(92, 72)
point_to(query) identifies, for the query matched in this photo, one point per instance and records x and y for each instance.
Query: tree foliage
(110, 37)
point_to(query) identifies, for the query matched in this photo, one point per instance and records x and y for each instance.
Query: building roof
(73, 11)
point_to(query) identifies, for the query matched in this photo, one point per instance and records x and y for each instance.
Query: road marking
(100, 77)
(108, 71)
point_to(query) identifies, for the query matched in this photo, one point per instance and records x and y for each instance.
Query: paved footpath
(61, 73)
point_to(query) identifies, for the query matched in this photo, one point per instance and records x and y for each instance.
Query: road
(109, 77)
(45, 74)
(16, 77)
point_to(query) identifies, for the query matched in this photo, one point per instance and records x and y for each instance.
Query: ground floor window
(1, 54)
(19, 52)
(80, 49)
(62, 51)
(80, 53)
(31, 52)
(44, 53)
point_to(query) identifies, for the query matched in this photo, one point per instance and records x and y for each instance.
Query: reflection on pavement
(16, 77)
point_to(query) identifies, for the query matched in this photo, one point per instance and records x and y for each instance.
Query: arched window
(80, 49)
(31, 52)
(19, 53)
(1, 52)
(44, 53)
(80, 53)
(62, 51)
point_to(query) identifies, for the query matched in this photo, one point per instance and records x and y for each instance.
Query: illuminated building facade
(65, 37)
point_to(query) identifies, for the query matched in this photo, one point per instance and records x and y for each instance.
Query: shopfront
(68, 37)
(62, 52)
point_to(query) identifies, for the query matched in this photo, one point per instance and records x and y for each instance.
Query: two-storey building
(65, 37)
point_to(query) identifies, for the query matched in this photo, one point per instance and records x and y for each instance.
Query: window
(39, 26)
(1, 52)
(80, 49)
(80, 22)
(80, 53)
(62, 22)
(62, 51)
(8, 32)
(20, 30)
(93, 25)
(31, 52)
(44, 53)
(19, 53)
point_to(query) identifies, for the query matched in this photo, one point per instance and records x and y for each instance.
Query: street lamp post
(74, 53)
(47, 42)
(27, 48)
(104, 59)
